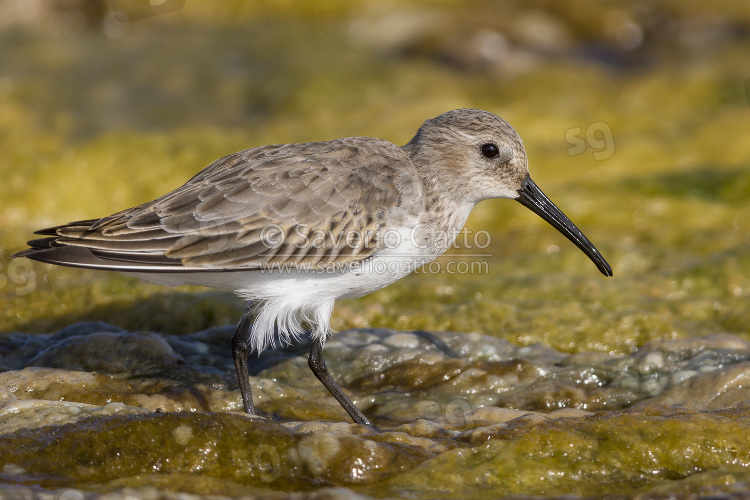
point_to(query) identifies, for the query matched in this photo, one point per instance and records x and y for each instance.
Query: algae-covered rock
(225, 446)
(608, 452)
(528, 374)
(458, 414)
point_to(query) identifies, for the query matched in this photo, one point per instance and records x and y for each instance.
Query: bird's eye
(490, 150)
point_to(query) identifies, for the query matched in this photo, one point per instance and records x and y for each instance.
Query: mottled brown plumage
(247, 223)
(218, 218)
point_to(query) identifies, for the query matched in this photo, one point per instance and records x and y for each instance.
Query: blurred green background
(635, 116)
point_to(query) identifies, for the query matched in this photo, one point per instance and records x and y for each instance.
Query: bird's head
(476, 155)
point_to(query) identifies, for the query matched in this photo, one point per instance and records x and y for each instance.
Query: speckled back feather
(260, 208)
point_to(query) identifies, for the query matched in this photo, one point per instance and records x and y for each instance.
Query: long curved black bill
(533, 198)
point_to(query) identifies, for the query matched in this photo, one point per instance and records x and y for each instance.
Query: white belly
(288, 298)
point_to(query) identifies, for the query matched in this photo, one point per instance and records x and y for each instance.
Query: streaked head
(477, 150)
(477, 155)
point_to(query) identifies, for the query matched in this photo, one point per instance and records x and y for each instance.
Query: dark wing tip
(82, 257)
(42, 243)
(86, 258)
(23, 253)
(61, 255)
(35, 246)
(53, 231)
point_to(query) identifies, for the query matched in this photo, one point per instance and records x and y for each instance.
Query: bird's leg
(240, 344)
(318, 366)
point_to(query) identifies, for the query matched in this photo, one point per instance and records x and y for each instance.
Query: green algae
(454, 411)
(85, 133)
(668, 213)
(643, 449)
(607, 453)
(137, 450)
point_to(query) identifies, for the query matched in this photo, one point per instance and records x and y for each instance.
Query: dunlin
(292, 228)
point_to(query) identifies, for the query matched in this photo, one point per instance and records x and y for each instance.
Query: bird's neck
(443, 218)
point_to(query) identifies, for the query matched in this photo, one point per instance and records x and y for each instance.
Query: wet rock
(18, 414)
(19, 492)
(456, 413)
(396, 376)
(136, 353)
(588, 456)
(727, 387)
(245, 450)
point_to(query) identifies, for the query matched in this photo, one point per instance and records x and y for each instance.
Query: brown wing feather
(220, 219)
